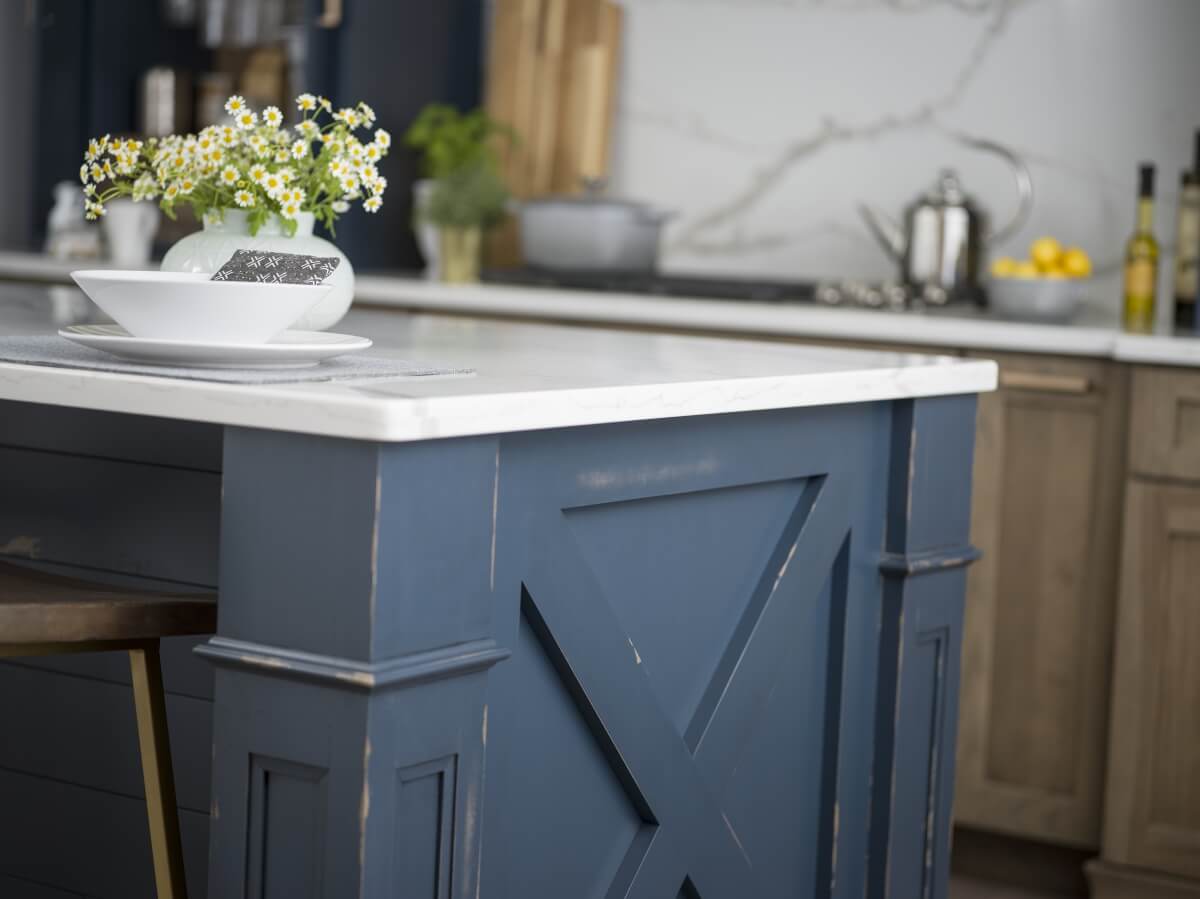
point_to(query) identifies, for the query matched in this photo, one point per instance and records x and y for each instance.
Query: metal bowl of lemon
(1050, 286)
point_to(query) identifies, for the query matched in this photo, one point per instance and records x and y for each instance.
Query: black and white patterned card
(272, 267)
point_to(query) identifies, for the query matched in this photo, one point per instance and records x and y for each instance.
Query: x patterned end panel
(688, 554)
(764, 705)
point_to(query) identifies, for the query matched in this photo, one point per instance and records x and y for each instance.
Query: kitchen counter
(1095, 334)
(526, 377)
(694, 606)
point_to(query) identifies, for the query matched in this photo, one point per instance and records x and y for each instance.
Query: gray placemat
(61, 353)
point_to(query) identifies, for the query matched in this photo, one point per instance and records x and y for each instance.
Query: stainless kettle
(940, 243)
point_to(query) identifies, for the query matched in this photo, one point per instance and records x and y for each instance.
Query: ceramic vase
(428, 240)
(129, 230)
(209, 249)
(460, 250)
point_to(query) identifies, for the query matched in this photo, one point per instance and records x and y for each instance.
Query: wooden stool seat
(37, 607)
(44, 614)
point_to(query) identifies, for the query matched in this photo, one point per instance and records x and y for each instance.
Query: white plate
(191, 307)
(291, 349)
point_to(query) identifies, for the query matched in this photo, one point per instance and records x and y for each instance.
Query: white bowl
(186, 306)
(1037, 299)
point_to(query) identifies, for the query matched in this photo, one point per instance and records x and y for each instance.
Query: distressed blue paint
(733, 670)
(926, 551)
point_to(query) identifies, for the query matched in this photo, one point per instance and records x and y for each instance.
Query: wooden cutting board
(552, 72)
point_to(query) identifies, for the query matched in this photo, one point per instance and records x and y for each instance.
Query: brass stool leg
(156, 771)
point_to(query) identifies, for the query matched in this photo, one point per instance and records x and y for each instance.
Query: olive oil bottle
(1187, 245)
(1141, 260)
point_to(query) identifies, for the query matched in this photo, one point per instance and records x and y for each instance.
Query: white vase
(208, 250)
(129, 228)
(428, 236)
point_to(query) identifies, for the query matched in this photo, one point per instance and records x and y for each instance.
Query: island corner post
(709, 657)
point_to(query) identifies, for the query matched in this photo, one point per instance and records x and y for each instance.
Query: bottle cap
(1146, 179)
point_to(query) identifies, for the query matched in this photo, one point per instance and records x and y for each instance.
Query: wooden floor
(963, 887)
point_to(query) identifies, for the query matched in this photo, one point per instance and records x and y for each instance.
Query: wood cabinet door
(1152, 804)
(1040, 603)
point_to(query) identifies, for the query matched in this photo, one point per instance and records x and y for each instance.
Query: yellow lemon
(1004, 267)
(1026, 269)
(1076, 263)
(1045, 253)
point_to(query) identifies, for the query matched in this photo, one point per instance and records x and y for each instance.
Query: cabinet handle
(1076, 385)
(331, 16)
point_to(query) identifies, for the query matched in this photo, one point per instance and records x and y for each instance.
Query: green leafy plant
(449, 140)
(472, 196)
(459, 151)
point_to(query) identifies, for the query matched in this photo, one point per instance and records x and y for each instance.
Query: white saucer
(291, 349)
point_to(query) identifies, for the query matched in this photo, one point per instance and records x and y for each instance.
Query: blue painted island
(616, 615)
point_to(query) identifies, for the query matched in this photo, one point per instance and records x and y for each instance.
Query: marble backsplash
(764, 123)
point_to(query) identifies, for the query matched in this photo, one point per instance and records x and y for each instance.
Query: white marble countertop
(527, 377)
(1093, 334)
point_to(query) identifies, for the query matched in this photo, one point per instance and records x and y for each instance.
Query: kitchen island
(616, 614)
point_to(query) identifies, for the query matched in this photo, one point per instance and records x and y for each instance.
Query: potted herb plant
(255, 184)
(462, 193)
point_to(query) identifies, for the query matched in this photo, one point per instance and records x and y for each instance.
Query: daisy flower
(229, 175)
(235, 105)
(366, 114)
(308, 129)
(379, 185)
(246, 120)
(272, 116)
(356, 151)
(324, 104)
(229, 135)
(372, 153)
(300, 149)
(282, 155)
(244, 198)
(93, 150)
(172, 191)
(272, 183)
(306, 102)
(382, 138)
(83, 174)
(96, 172)
(287, 175)
(205, 142)
(89, 190)
(349, 183)
(258, 145)
(347, 115)
(372, 204)
(258, 171)
(186, 185)
(339, 167)
(289, 210)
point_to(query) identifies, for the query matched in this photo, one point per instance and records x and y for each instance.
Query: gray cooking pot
(590, 233)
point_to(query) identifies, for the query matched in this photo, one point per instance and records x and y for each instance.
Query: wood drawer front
(1164, 434)
(1152, 809)
(1033, 714)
